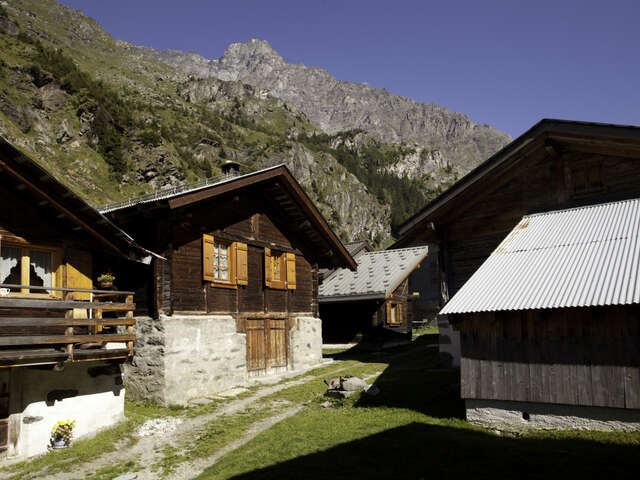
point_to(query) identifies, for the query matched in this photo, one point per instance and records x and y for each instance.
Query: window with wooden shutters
(394, 313)
(276, 269)
(291, 270)
(219, 265)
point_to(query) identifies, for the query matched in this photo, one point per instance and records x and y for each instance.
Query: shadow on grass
(427, 451)
(412, 379)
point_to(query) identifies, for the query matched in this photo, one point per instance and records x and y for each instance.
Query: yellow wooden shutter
(267, 267)
(207, 258)
(79, 272)
(291, 271)
(242, 270)
(388, 312)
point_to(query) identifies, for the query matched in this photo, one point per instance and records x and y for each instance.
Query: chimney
(230, 169)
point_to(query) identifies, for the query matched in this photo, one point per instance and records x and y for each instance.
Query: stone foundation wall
(203, 355)
(515, 416)
(305, 343)
(91, 394)
(144, 375)
(182, 357)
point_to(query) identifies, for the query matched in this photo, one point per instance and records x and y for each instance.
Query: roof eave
(499, 158)
(351, 298)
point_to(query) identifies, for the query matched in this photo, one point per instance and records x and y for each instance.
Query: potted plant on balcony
(106, 280)
(62, 434)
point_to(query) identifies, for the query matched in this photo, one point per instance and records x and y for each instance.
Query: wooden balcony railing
(39, 329)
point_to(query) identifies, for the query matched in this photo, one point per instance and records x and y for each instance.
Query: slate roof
(579, 257)
(379, 273)
(356, 247)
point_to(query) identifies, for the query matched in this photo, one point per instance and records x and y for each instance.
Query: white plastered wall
(91, 394)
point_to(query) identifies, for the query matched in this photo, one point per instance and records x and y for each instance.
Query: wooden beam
(62, 339)
(37, 304)
(63, 322)
(58, 205)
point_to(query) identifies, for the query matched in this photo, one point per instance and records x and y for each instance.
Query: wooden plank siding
(190, 294)
(571, 356)
(479, 226)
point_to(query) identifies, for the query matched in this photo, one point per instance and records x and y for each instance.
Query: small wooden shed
(61, 340)
(370, 304)
(550, 323)
(237, 296)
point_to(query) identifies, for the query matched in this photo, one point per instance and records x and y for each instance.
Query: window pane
(10, 266)
(40, 270)
(224, 274)
(221, 261)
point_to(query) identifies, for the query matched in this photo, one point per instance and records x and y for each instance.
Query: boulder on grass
(353, 384)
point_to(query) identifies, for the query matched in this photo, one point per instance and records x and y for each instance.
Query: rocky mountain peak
(252, 52)
(337, 106)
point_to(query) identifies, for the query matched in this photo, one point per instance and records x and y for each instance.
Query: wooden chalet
(536, 351)
(60, 339)
(238, 294)
(371, 305)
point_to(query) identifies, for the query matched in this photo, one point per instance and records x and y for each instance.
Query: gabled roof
(358, 247)
(548, 133)
(378, 275)
(282, 187)
(579, 257)
(52, 194)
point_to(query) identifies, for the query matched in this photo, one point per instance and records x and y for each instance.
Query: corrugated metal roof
(578, 257)
(378, 274)
(170, 192)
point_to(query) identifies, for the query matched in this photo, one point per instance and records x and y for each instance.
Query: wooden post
(129, 315)
(97, 315)
(69, 330)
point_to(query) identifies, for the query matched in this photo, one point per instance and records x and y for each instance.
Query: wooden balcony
(54, 327)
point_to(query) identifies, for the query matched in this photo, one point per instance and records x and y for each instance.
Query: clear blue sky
(505, 63)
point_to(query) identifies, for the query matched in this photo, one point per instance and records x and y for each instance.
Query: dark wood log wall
(543, 183)
(190, 294)
(573, 356)
(351, 321)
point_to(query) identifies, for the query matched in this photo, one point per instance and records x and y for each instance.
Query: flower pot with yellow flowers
(62, 434)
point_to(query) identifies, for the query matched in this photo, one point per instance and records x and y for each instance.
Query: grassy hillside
(113, 123)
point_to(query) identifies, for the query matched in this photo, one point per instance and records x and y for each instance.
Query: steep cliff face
(335, 105)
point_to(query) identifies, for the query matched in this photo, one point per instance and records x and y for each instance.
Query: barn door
(4, 415)
(256, 345)
(277, 354)
(266, 344)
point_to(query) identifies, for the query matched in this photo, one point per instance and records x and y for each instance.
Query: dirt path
(148, 450)
(191, 469)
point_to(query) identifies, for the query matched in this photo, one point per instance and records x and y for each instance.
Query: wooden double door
(267, 344)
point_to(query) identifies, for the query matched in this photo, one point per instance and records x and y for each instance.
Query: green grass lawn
(414, 429)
